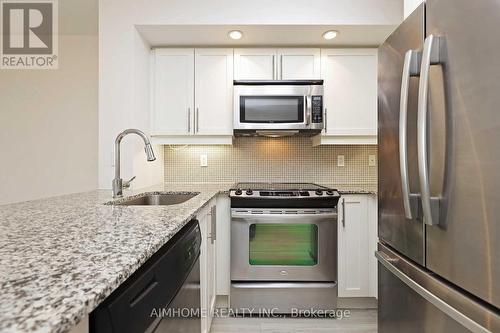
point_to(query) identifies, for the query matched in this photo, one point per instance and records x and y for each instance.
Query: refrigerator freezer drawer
(413, 300)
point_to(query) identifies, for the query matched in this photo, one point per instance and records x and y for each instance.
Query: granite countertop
(355, 189)
(60, 257)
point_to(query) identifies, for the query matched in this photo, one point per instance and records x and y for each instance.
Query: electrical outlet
(372, 160)
(203, 160)
(340, 160)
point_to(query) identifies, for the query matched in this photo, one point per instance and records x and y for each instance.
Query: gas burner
(279, 186)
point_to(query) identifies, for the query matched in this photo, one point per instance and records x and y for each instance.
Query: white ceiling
(261, 35)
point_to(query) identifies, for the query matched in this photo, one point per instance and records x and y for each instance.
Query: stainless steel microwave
(278, 108)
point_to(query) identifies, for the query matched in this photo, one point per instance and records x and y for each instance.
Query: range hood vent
(276, 133)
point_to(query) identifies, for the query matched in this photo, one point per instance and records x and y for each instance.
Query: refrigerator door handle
(411, 67)
(430, 56)
(391, 264)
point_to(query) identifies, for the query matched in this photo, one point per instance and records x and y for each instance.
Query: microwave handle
(308, 109)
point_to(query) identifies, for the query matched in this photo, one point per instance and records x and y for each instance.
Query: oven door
(272, 107)
(283, 245)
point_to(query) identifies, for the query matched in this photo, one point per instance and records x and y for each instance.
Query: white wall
(48, 118)
(410, 5)
(122, 101)
(147, 173)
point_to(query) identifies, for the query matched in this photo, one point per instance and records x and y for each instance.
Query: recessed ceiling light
(331, 34)
(235, 34)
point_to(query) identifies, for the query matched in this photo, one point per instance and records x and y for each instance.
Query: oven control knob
(249, 192)
(329, 192)
(319, 192)
(238, 192)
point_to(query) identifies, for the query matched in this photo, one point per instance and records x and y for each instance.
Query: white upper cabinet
(299, 64)
(173, 91)
(213, 91)
(277, 64)
(192, 96)
(255, 64)
(350, 96)
(192, 92)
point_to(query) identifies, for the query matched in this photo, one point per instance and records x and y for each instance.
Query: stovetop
(280, 186)
(282, 195)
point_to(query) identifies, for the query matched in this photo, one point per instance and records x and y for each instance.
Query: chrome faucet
(118, 183)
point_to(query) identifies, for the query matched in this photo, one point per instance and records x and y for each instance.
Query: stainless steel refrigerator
(439, 170)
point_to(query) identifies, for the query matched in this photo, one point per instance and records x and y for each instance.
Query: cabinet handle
(189, 120)
(281, 67)
(275, 68)
(343, 212)
(213, 221)
(197, 120)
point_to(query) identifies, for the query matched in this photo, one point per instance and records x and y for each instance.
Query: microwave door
(273, 112)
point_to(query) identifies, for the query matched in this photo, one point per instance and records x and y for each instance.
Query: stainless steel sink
(156, 199)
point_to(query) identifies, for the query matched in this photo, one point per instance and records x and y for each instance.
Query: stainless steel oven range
(283, 247)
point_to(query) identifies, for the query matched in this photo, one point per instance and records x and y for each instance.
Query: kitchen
(280, 163)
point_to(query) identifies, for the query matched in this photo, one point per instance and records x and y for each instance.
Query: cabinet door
(255, 64)
(208, 279)
(214, 91)
(350, 90)
(204, 268)
(353, 250)
(212, 262)
(372, 244)
(223, 243)
(299, 64)
(173, 92)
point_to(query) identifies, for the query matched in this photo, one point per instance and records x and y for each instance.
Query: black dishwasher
(163, 295)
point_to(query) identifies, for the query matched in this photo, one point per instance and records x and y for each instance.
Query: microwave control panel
(317, 109)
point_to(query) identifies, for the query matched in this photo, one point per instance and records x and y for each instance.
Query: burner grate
(280, 186)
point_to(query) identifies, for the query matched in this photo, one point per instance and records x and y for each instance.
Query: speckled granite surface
(60, 257)
(355, 189)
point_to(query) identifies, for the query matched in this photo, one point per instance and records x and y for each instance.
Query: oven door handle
(283, 218)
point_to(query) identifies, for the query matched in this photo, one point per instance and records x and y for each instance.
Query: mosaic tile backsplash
(271, 160)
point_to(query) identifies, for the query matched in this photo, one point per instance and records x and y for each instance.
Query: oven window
(283, 244)
(272, 109)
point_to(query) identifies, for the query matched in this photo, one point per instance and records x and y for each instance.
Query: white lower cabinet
(357, 239)
(223, 245)
(208, 262)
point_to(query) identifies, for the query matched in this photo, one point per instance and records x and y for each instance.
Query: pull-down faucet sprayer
(118, 183)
